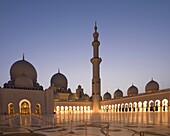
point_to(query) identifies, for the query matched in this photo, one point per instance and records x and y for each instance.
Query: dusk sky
(134, 37)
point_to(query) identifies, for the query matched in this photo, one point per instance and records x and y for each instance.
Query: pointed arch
(145, 106)
(140, 106)
(25, 106)
(164, 105)
(38, 108)
(151, 105)
(157, 105)
(10, 108)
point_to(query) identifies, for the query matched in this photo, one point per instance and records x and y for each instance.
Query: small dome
(118, 94)
(86, 97)
(152, 86)
(79, 86)
(133, 90)
(23, 82)
(71, 97)
(23, 67)
(59, 81)
(107, 96)
(56, 96)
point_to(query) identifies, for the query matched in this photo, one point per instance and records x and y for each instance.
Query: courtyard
(91, 124)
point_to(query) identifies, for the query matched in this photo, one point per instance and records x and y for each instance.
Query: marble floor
(90, 124)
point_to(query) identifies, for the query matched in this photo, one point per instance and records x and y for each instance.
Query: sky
(134, 41)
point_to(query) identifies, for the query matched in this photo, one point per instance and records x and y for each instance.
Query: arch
(135, 106)
(119, 107)
(130, 107)
(66, 109)
(62, 109)
(164, 105)
(70, 108)
(81, 108)
(126, 107)
(151, 105)
(115, 107)
(122, 106)
(74, 108)
(78, 109)
(107, 108)
(157, 105)
(58, 109)
(145, 106)
(10, 108)
(102, 108)
(88, 108)
(38, 108)
(110, 107)
(25, 106)
(85, 108)
(140, 106)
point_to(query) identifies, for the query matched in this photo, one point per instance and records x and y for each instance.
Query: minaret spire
(58, 70)
(23, 56)
(96, 60)
(95, 27)
(95, 34)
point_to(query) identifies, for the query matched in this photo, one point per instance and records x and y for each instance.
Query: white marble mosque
(24, 102)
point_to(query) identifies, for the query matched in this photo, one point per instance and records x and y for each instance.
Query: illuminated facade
(23, 94)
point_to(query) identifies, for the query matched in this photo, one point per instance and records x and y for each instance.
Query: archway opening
(126, 107)
(25, 107)
(140, 106)
(130, 107)
(164, 105)
(151, 105)
(38, 108)
(145, 107)
(10, 108)
(157, 105)
(135, 106)
(122, 106)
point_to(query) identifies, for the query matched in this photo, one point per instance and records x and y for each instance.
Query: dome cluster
(150, 87)
(23, 76)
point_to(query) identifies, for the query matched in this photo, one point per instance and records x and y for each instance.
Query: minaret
(96, 72)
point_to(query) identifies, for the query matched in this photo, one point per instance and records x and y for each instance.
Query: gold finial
(95, 27)
(23, 57)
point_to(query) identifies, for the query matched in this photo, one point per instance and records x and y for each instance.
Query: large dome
(23, 67)
(23, 82)
(107, 96)
(152, 86)
(133, 90)
(59, 81)
(118, 94)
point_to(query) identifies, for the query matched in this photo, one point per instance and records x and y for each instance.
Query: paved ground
(124, 124)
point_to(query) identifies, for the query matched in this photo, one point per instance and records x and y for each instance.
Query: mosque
(23, 94)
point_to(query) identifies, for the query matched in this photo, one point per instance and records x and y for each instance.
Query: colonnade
(145, 106)
(72, 109)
